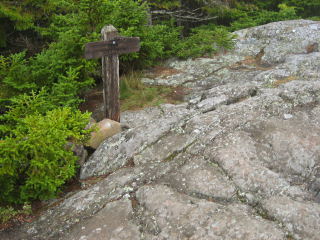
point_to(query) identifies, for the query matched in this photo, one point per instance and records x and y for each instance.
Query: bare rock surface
(111, 222)
(178, 216)
(239, 159)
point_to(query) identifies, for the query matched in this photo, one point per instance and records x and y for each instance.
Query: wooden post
(109, 49)
(110, 77)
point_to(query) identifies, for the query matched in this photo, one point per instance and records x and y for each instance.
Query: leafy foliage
(12, 69)
(12, 15)
(204, 41)
(305, 8)
(34, 159)
(80, 24)
(8, 213)
(254, 18)
(248, 13)
(22, 106)
(165, 4)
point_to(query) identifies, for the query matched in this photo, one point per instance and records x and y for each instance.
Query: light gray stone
(117, 151)
(181, 217)
(84, 204)
(140, 118)
(111, 222)
(237, 154)
(278, 40)
(301, 218)
(202, 179)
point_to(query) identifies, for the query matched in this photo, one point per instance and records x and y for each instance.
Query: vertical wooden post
(109, 49)
(110, 76)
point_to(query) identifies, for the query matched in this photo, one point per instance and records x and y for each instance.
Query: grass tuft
(135, 95)
(283, 81)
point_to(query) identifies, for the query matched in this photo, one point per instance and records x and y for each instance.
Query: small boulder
(105, 128)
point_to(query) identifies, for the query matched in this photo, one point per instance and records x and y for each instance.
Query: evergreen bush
(203, 41)
(34, 159)
(258, 17)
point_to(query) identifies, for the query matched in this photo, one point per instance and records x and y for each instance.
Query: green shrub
(305, 8)
(12, 17)
(34, 160)
(158, 42)
(8, 213)
(61, 67)
(15, 73)
(314, 18)
(203, 41)
(259, 17)
(21, 106)
(52, 68)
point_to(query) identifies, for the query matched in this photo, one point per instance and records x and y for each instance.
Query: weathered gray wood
(119, 45)
(110, 75)
(109, 49)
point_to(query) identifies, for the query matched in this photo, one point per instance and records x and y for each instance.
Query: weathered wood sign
(111, 46)
(119, 45)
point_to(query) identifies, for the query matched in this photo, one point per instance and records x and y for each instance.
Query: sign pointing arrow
(119, 45)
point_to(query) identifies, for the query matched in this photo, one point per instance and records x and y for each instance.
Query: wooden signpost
(109, 49)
